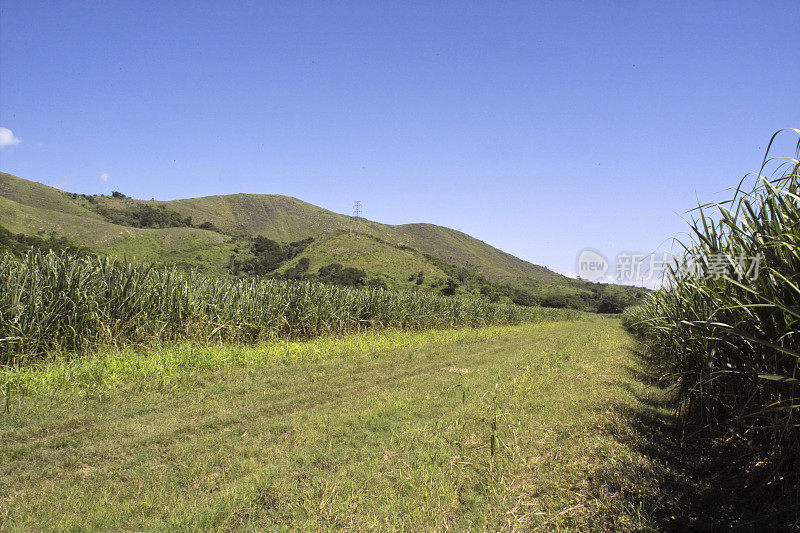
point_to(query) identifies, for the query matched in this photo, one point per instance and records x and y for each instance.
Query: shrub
(270, 255)
(208, 226)
(339, 275)
(450, 287)
(299, 270)
(146, 216)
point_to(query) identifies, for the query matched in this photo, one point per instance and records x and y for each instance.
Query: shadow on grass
(703, 481)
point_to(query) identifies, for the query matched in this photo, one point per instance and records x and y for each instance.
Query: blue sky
(541, 128)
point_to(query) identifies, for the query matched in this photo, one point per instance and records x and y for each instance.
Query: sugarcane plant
(729, 340)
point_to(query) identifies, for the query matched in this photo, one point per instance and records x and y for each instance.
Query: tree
(339, 275)
(298, 270)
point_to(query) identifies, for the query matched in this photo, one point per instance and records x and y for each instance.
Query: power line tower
(356, 216)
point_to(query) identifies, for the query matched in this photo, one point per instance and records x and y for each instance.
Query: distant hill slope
(283, 218)
(34, 209)
(210, 230)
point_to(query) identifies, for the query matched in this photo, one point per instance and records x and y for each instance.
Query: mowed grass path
(394, 440)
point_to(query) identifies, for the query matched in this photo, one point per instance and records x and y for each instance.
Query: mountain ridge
(213, 232)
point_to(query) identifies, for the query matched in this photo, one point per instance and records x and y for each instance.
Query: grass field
(390, 431)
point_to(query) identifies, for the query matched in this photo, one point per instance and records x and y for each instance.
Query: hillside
(213, 232)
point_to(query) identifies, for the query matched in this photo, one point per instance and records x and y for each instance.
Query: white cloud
(104, 176)
(7, 138)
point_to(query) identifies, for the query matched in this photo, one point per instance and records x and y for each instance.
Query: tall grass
(731, 342)
(61, 303)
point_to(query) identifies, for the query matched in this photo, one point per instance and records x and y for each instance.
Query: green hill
(214, 232)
